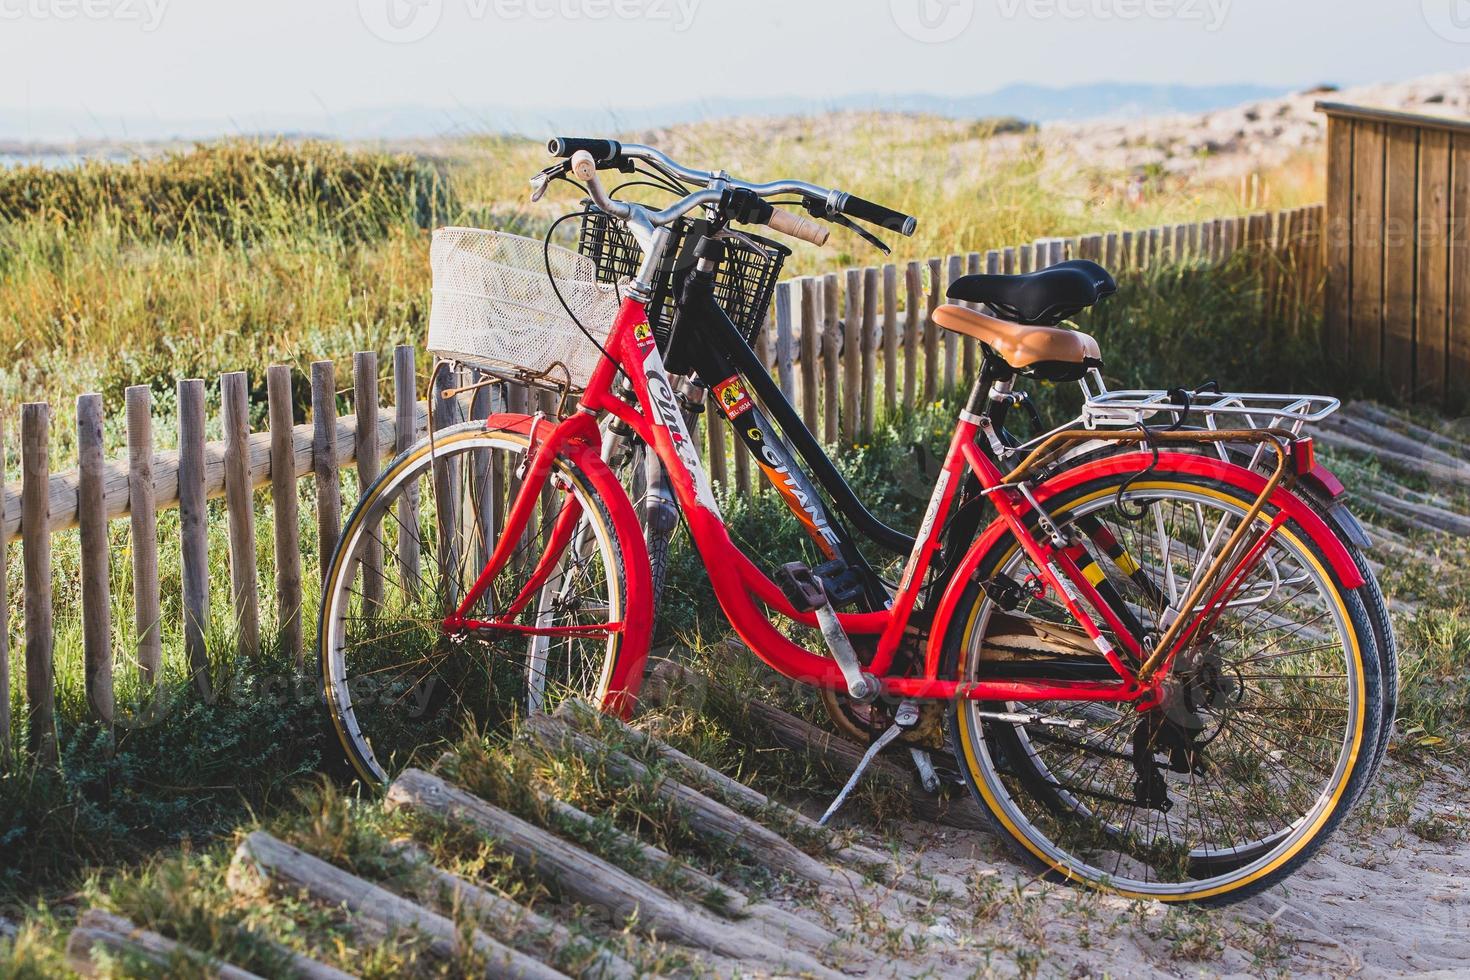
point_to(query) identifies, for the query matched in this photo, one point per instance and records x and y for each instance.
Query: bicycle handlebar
(822, 201)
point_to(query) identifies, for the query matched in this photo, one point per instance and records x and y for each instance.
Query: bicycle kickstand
(906, 717)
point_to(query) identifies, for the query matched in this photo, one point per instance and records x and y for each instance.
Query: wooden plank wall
(1397, 311)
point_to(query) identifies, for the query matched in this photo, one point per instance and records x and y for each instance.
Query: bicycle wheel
(397, 683)
(1266, 737)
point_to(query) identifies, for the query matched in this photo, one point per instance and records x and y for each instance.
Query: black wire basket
(744, 284)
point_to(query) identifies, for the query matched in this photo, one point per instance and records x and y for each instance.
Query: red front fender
(579, 440)
(1248, 482)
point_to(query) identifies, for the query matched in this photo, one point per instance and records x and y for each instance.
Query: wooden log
(868, 392)
(831, 364)
(193, 530)
(1426, 516)
(35, 462)
(365, 405)
(710, 780)
(143, 521)
(586, 878)
(286, 506)
(529, 931)
(96, 562)
(707, 891)
(1411, 464)
(1438, 440)
(811, 335)
(704, 814)
(839, 757)
(932, 332)
(101, 940)
(324, 461)
(265, 865)
(1382, 436)
(852, 353)
(405, 434)
(913, 309)
(240, 504)
(710, 892)
(890, 340)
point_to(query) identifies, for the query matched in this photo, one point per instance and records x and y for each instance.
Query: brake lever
(541, 181)
(871, 238)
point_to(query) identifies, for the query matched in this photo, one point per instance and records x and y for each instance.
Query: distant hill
(1033, 102)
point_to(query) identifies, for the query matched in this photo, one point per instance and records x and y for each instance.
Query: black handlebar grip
(856, 207)
(602, 150)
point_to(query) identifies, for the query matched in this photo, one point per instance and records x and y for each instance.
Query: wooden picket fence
(845, 347)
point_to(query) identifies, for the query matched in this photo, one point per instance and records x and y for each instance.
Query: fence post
(143, 520)
(811, 327)
(240, 503)
(852, 353)
(969, 348)
(913, 315)
(96, 561)
(956, 268)
(869, 392)
(193, 530)
(286, 508)
(365, 405)
(324, 461)
(890, 339)
(35, 524)
(785, 342)
(831, 367)
(931, 333)
(405, 434)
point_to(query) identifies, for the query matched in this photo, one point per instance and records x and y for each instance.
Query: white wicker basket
(494, 307)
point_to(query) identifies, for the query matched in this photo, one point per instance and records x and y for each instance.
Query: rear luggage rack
(1103, 409)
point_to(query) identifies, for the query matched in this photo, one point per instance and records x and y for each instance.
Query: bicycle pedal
(801, 587)
(841, 582)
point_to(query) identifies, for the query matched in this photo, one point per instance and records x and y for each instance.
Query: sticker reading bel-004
(732, 398)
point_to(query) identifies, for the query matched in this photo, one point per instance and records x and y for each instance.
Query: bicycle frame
(742, 589)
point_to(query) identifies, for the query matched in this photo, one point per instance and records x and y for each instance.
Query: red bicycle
(1149, 640)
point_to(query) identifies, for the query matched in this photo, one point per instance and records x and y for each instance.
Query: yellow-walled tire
(1276, 775)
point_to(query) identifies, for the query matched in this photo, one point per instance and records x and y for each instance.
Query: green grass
(238, 256)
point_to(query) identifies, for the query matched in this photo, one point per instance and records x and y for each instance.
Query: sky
(217, 59)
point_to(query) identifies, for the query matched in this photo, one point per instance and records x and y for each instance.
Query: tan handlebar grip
(584, 166)
(790, 223)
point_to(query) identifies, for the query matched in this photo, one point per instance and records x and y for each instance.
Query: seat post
(996, 376)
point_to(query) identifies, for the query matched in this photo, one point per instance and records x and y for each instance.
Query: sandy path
(1378, 900)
